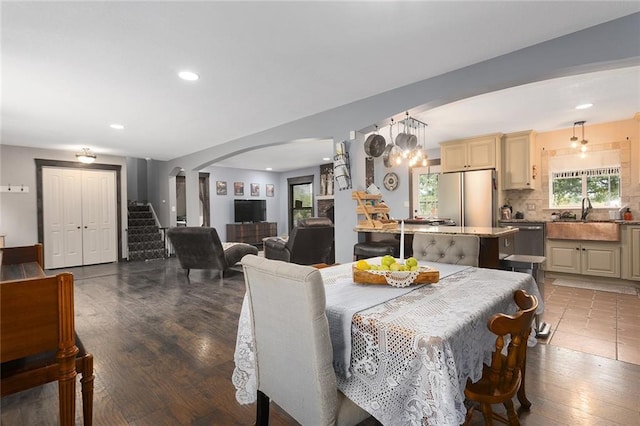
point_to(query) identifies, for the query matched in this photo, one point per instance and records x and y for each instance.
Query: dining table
(404, 354)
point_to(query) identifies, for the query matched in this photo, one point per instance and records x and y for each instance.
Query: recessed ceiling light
(269, 168)
(584, 106)
(117, 126)
(188, 75)
(326, 158)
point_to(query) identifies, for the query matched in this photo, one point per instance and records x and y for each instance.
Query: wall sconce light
(86, 156)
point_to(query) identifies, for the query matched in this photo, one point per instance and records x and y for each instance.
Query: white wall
(277, 206)
(18, 212)
(222, 205)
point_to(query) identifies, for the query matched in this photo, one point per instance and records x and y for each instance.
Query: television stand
(251, 233)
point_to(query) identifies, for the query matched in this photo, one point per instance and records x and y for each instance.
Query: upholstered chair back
(447, 248)
(292, 343)
(310, 242)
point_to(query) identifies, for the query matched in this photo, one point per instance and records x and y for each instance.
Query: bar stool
(532, 263)
(369, 249)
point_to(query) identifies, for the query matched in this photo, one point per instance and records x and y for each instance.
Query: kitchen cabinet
(470, 154)
(519, 169)
(631, 252)
(584, 258)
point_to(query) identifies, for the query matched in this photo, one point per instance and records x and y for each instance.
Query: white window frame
(583, 174)
(415, 179)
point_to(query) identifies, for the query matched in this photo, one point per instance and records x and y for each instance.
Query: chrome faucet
(586, 209)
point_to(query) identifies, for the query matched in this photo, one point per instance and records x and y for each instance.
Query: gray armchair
(309, 243)
(200, 248)
(447, 248)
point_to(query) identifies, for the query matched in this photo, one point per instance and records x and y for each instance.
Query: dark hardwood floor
(164, 345)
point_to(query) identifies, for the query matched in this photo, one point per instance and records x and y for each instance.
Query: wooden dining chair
(294, 357)
(38, 342)
(505, 376)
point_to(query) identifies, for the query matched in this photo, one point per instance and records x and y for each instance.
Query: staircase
(145, 240)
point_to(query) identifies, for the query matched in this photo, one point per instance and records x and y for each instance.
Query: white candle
(402, 241)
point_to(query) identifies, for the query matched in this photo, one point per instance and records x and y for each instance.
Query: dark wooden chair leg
(262, 410)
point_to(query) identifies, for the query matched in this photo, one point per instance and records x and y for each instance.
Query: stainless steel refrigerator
(468, 198)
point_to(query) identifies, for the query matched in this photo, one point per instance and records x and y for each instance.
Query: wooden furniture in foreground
(37, 338)
(505, 376)
(439, 329)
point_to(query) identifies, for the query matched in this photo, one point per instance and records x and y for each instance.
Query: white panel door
(61, 203)
(80, 222)
(98, 217)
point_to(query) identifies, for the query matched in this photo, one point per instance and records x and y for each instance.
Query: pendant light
(574, 139)
(583, 142)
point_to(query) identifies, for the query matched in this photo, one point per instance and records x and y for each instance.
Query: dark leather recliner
(309, 243)
(200, 248)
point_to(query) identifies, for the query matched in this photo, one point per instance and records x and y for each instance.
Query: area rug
(612, 288)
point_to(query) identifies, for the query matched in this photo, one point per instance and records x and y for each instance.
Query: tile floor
(592, 321)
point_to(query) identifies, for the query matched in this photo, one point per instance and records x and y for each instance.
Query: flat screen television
(249, 210)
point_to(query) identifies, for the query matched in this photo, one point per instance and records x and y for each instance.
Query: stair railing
(168, 248)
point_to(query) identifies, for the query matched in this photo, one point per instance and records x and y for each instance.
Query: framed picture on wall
(221, 187)
(255, 189)
(269, 189)
(238, 188)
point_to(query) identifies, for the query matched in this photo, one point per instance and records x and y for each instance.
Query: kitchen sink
(584, 230)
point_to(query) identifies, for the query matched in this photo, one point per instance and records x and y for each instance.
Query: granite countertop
(485, 232)
(621, 222)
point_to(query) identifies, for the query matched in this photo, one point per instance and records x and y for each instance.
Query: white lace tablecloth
(411, 355)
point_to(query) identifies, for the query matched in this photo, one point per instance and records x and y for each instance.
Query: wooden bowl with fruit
(394, 273)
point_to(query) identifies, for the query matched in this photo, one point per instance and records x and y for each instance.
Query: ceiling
(70, 69)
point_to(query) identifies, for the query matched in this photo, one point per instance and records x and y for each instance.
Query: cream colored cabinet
(519, 169)
(631, 252)
(470, 154)
(585, 258)
(563, 256)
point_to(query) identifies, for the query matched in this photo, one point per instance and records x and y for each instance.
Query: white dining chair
(292, 344)
(447, 248)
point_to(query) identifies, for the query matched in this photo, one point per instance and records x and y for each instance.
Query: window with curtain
(596, 175)
(600, 185)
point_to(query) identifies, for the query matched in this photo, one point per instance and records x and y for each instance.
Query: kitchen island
(495, 243)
